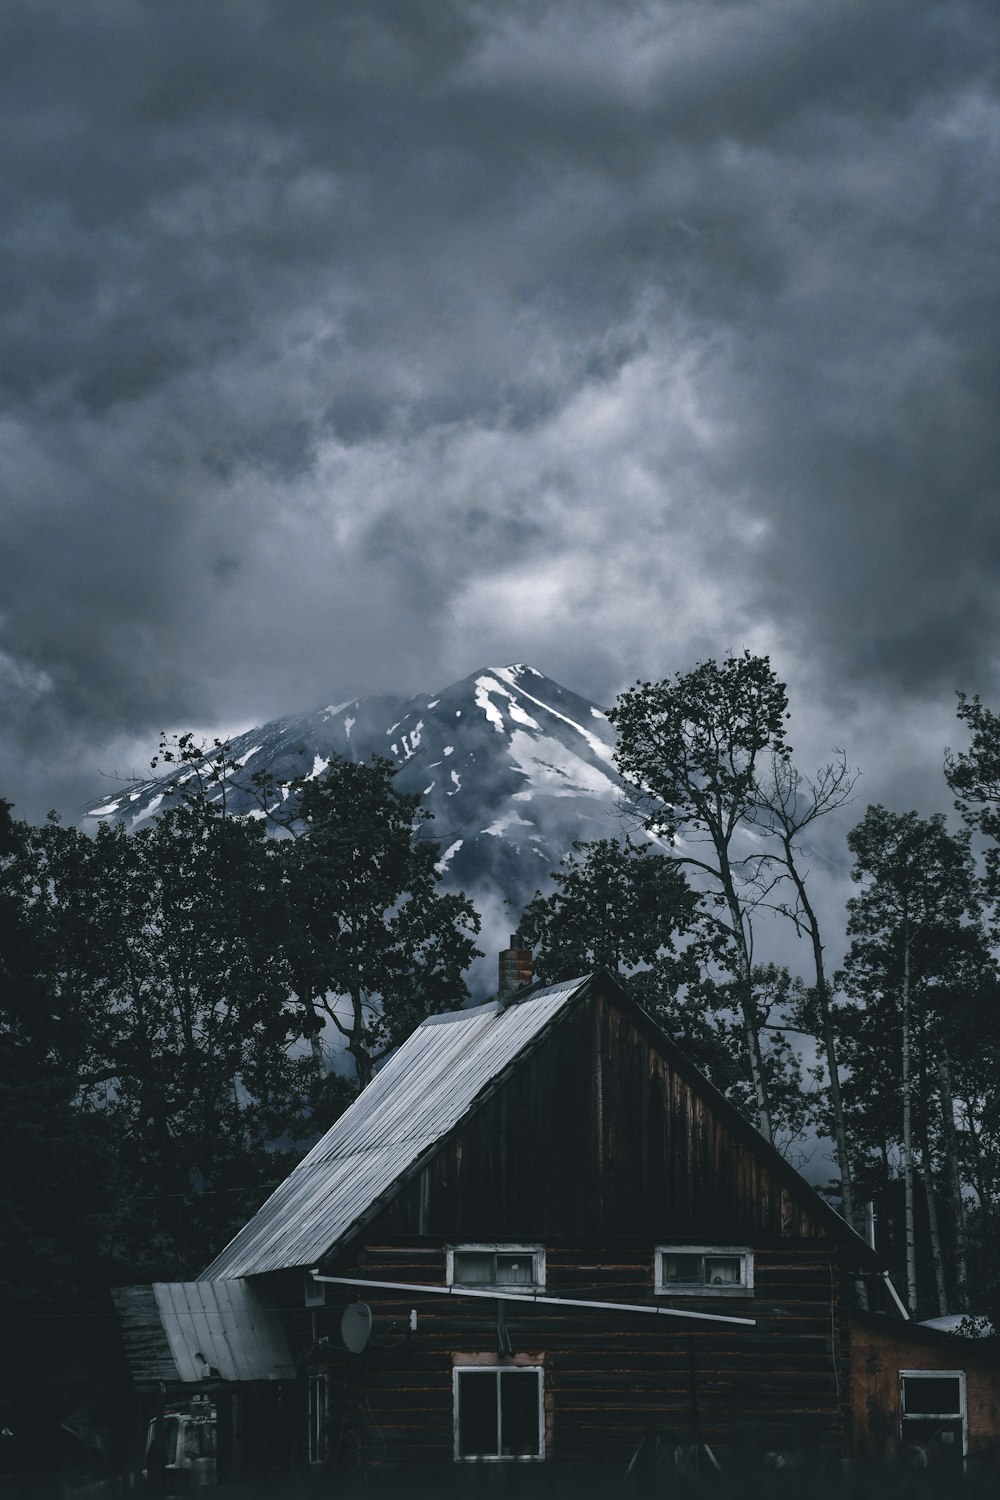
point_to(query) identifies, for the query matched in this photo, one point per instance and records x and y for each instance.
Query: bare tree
(789, 805)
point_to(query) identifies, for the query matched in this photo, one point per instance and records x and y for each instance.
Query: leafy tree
(58, 1179)
(974, 777)
(203, 998)
(915, 932)
(689, 749)
(626, 908)
(148, 971)
(57, 1167)
(172, 974)
(373, 946)
(50, 917)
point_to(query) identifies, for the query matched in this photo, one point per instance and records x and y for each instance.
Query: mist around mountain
(512, 765)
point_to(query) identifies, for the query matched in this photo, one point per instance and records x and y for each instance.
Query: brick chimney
(515, 966)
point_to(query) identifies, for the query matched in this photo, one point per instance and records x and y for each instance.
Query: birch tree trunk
(750, 1027)
(953, 1180)
(826, 1028)
(908, 1183)
(937, 1258)
(836, 1097)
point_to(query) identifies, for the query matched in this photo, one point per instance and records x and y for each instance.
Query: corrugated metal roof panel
(222, 1326)
(423, 1091)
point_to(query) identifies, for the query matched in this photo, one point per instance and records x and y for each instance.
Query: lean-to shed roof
(413, 1102)
(189, 1330)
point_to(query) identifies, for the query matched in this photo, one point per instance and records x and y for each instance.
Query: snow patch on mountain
(446, 858)
(485, 686)
(507, 820)
(148, 811)
(598, 746)
(550, 765)
(106, 811)
(411, 741)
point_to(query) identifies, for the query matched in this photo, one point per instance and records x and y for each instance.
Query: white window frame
(664, 1288)
(935, 1416)
(495, 1247)
(498, 1370)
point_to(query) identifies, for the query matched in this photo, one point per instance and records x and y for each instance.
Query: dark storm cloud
(345, 348)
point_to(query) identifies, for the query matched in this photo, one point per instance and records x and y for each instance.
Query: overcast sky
(348, 348)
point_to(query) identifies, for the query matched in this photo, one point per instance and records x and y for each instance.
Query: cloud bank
(347, 349)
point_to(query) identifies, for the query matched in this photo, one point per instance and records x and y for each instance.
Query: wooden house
(569, 1243)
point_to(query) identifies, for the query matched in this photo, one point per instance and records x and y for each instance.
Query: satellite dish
(356, 1326)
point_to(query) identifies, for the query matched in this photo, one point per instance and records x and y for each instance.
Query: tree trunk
(829, 1040)
(954, 1180)
(750, 1028)
(911, 1237)
(935, 1232)
(358, 1044)
(318, 1060)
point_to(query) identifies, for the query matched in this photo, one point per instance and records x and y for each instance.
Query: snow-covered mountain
(513, 767)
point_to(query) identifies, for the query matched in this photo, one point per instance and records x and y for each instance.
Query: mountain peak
(513, 766)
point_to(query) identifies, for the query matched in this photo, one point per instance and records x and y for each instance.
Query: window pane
(516, 1270)
(199, 1440)
(938, 1393)
(683, 1268)
(477, 1414)
(519, 1413)
(474, 1267)
(723, 1270)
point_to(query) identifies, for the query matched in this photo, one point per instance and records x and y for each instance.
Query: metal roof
(422, 1093)
(193, 1330)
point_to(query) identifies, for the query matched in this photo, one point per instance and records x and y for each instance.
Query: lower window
(932, 1413)
(498, 1412)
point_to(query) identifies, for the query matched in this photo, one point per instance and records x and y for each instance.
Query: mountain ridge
(513, 766)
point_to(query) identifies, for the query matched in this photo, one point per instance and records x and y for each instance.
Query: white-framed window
(510, 1268)
(499, 1413)
(932, 1411)
(704, 1270)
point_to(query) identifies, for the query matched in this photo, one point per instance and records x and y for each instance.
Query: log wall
(610, 1377)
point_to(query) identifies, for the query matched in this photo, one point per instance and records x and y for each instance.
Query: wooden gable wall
(596, 1133)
